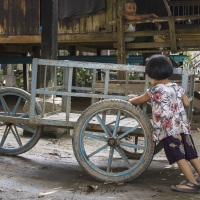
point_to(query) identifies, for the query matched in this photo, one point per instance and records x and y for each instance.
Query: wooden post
(120, 38)
(172, 33)
(72, 51)
(99, 73)
(49, 46)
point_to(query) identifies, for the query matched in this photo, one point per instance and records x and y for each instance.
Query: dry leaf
(91, 188)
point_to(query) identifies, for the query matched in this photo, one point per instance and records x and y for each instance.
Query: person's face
(130, 8)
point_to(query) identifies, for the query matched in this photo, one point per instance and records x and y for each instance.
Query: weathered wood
(49, 47)
(120, 39)
(172, 34)
(134, 86)
(147, 45)
(20, 24)
(184, 3)
(19, 17)
(167, 7)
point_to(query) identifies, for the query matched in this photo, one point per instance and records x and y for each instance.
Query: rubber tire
(36, 136)
(122, 105)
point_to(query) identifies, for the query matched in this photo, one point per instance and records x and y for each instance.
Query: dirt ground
(50, 171)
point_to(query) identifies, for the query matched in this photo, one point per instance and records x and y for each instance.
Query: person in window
(130, 9)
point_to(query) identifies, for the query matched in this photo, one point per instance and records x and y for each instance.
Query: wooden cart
(112, 139)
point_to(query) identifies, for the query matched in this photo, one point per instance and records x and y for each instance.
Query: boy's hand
(131, 96)
(157, 25)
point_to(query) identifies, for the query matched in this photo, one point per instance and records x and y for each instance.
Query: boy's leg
(187, 171)
(196, 164)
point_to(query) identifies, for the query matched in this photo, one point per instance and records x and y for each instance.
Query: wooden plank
(189, 43)
(82, 25)
(134, 86)
(81, 38)
(89, 24)
(120, 39)
(172, 34)
(21, 20)
(20, 39)
(190, 30)
(147, 33)
(147, 45)
(31, 11)
(184, 3)
(4, 16)
(101, 37)
(114, 9)
(109, 12)
(76, 26)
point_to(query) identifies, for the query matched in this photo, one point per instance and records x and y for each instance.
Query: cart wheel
(103, 133)
(12, 140)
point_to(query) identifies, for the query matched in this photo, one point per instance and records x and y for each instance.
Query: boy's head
(159, 67)
(130, 7)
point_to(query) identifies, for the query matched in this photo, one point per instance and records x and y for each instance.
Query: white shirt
(131, 28)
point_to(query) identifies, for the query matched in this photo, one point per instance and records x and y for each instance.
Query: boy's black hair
(159, 67)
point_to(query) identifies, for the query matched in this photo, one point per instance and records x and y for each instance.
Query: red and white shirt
(169, 116)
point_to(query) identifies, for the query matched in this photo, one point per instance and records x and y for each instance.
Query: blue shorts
(178, 147)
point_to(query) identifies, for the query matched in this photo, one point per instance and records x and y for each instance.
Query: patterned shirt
(169, 116)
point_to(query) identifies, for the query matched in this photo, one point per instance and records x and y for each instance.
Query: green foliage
(136, 76)
(19, 80)
(59, 76)
(84, 77)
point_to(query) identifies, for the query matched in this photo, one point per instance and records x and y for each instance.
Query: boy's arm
(186, 102)
(140, 99)
(140, 17)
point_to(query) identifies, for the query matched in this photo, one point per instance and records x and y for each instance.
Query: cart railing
(64, 90)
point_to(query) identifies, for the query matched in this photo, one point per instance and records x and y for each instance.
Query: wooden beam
(62, 38)
(84, 38)
(184, 3)
(147, 45)
(16, 39)
(49, 41)
(120, 38)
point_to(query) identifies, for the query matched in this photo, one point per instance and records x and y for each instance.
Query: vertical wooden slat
(114, 13)
(89, 24)
(24, 17)
(82, 25)
(4, 14)
(96, 23)
(120, 37)
(172, 34)
(77, 26)
(109, 12)
(94, 78)
(69, 89)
